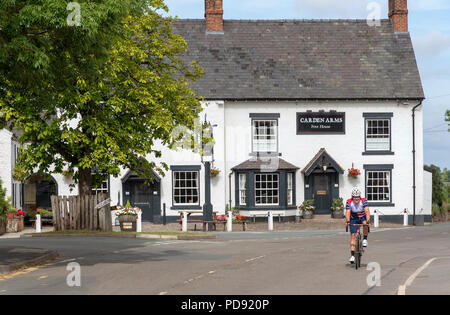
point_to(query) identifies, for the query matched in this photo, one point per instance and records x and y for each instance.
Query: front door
(140, 195)
(322, 193)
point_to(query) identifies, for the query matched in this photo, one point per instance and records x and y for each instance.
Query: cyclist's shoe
(365, 243)
(352, 260)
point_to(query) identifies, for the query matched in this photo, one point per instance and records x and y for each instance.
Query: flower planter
(128, 223)
(338, 214)
(15, 225)
(308, 214)
(10, 215)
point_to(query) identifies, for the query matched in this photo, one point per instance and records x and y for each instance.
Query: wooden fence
(81, 213)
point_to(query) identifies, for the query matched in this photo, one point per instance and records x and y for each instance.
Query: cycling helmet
(356, 192)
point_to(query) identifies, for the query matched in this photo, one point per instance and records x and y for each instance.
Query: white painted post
(230, 221)
(405, 218)
(270, 219)
(184, 222)
(376, 222)
(38, 223)
(139, 222)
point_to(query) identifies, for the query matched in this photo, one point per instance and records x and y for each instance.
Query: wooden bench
(214, 223)
(191, 220)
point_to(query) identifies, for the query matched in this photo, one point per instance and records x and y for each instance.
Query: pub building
(294, 104)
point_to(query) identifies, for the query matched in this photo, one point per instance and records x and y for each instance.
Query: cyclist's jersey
(357, 209)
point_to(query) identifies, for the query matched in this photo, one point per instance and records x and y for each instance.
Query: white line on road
(255, 258)
(402, 288)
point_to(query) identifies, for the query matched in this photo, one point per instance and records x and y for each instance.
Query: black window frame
(378, 116)
(250, 190)
(379, 168)
(185, 168)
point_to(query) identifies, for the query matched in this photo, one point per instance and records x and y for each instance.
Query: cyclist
(357, 212)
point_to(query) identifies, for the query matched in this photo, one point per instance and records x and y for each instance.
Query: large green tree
(98, 95)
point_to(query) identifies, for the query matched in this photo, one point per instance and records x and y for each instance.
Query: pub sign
(320, 123)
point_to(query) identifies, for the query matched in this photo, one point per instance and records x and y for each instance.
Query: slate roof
(302, 59)
(258, 163)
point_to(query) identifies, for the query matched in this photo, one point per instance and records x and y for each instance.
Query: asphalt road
(294, 262)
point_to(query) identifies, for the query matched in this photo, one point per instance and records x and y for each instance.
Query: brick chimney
(398, 13)
(214, 15)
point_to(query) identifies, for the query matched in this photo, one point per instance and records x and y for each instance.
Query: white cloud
(432, 44)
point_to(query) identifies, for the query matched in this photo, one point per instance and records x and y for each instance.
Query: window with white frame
(378, 185)
(242, 191)
(185, 188)
(264, 135)
(266, 189)
(378, 134)
(290, 190)
(103, 187)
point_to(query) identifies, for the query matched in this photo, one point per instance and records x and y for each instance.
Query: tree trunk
(85, 181)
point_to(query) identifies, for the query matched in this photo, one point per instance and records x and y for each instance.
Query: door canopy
(324, 163)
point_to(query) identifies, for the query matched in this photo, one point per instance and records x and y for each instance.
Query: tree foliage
(95, 96)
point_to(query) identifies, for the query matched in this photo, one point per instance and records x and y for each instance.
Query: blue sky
(429, 25)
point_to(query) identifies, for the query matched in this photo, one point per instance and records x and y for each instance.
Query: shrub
(5, 203)
(435, 209)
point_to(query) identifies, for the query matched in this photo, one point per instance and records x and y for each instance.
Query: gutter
(414, 159)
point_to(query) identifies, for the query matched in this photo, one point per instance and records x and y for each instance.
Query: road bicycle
(359, 248)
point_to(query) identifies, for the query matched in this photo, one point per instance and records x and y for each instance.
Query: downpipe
(414, 159)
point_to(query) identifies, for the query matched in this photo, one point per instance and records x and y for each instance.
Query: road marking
(402, 288)
(43, 277)
(255, 258)
(17, 273)
(162, 293)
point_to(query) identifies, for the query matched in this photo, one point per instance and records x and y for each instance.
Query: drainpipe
(229, 187)
(414, 159)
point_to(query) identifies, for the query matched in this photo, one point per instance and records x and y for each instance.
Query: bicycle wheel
(357, 252)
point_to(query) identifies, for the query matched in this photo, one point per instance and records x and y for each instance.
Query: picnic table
(193, 220)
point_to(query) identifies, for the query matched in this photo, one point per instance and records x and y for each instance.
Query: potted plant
(11, 212)
(214, 172)
(337, 208)
(307, 208)
(353, 172)
(19, 175)
(127, 218)
(68, 173)
(19, 215)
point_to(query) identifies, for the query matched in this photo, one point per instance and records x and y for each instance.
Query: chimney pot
(214, 15)
(398, 13)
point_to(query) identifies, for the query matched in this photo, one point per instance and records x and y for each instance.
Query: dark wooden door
(322, 193)
(141, 196)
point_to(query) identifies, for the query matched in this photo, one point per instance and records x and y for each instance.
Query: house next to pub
(294, 105)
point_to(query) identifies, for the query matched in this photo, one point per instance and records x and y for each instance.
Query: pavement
(251, 263)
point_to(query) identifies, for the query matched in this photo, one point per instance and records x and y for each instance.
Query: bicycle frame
(359, 249)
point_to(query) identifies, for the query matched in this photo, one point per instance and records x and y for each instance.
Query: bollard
(230, 221)
(405, 218)
(184, 222)
(139, 222)
(38, 223)
(270, 221)
(376, 222)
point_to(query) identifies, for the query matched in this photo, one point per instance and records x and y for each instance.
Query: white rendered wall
(233, 146)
